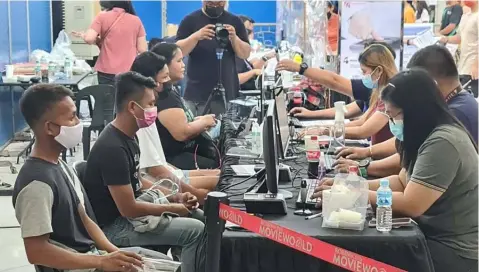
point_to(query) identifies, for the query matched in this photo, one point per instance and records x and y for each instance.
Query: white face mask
(69, 137)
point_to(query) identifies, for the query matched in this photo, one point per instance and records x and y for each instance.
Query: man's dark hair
(131, 86)
(153, 42)
(245, 18)
(385, 44)
(437, 60)
(148, 64)
(38, 99)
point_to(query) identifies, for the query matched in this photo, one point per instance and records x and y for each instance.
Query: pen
(313, 216)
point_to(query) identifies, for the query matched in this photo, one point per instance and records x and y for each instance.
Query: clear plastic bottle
(321, 168)
(38, 69)
(384, 210)
(255, 138)
(338, 132)
(68, 67)
(51, 72)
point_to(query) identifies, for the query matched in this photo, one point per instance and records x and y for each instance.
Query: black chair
(101, 114)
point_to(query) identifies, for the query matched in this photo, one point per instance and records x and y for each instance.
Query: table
(71, 83)
(404, 248)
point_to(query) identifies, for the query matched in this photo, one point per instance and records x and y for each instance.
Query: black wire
(238, 183)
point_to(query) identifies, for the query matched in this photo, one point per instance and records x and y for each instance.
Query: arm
(243, 77)
(353, 111)
(396, 182)
(385, 167)
(188, 44)
(384, 149)
(330, 80)
(239, 40)
(33, 209)
(141, 44)
(454, 20)
(175, 121)
(95, 232)
(41, 252)
(359, 122)
(431, 177)
(372, 126)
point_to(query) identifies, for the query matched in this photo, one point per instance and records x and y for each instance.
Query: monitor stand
(260, 201)
(263, 189)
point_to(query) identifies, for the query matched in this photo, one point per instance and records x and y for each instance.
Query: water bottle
(255, 138)
(51, 72)
(38, 69)
(339, 131)
(384, 211)
(321, 169)
(68, 68)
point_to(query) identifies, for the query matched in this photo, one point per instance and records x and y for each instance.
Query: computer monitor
(282, 122)
(270, 147)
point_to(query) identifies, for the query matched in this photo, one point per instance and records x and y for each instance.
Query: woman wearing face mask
(438, 184)
(353, 88)
(377, 65)
(118, 31)
(179, 129)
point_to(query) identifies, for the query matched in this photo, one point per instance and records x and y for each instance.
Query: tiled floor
(12, 251)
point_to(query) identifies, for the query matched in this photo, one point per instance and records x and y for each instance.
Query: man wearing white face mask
(50, 204)
(113, 181)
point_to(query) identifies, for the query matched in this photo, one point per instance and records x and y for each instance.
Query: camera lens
(222, 33)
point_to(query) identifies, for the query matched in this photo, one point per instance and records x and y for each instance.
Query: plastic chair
(101, 114)
(79, 168)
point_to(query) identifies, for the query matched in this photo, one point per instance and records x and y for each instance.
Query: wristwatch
(302, 68)
(363, 168)
(264, 58)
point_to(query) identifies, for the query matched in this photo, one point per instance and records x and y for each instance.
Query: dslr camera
(222, 35)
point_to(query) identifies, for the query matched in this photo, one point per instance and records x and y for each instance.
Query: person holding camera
(199, 35)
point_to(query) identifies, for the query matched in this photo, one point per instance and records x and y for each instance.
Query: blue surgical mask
(214, 132)
(368, 82)
(397, 129)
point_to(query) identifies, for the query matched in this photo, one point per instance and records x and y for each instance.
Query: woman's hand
(326, 184)
(342, 165)
(288, 65)
(353, 153)
(78, 34)
(208, 120)
(301, 112)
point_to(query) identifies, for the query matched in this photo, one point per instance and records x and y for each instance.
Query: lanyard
(453, 94)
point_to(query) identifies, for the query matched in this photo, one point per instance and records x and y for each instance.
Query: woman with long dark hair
(439, 180)
(422, 12)
(180, 131)
(119, 34)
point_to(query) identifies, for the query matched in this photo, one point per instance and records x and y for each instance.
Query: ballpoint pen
(313, 216)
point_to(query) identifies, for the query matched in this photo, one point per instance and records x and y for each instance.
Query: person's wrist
(97, 261)
(264, 58)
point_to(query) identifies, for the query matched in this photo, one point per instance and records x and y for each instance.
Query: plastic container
(384, 210)
(345, 204)
(256, 138)
(338, 131)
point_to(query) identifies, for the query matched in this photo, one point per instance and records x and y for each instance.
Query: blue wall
(39, 16)
(150, 14)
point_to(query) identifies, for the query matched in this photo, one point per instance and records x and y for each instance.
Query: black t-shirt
(203, 65)
(113, 160)
(170, 99)
(37, 181)
(243, 66)
(361, 93)
(451, 15)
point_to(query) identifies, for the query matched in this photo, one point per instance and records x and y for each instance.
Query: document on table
(243, 170)
(310, 123)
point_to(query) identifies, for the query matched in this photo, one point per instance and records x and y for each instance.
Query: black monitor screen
(270, 149)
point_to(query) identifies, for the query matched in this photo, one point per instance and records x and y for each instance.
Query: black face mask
(329, 15)
(214, 12)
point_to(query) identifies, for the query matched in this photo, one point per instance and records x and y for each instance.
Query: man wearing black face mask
(196, 37)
